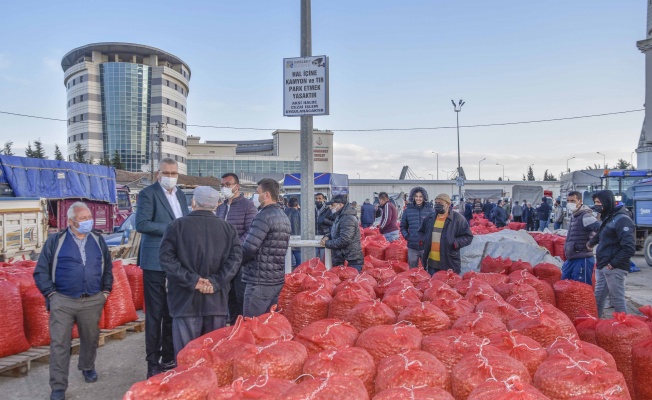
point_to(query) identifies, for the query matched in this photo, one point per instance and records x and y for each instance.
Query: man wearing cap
(443, 234)
(344, 238)
(200, 253)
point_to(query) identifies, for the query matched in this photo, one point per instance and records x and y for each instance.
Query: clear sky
(393, 64)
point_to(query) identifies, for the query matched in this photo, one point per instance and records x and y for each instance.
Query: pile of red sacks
(25, 322)
(394, 333)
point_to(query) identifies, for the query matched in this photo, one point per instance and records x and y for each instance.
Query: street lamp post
(434, 152)
(604, 159)
(568, 169)
(479, 162)
(458, 107)
(358, 175)
(431, 177)
(503, 170)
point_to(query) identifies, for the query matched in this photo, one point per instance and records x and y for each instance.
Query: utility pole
(458, 107)
(307, 165)
(160, 128)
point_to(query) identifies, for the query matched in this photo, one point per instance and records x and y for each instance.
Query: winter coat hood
(414, 191)
(608, 201)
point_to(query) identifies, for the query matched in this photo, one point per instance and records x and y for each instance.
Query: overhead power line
(351, 130)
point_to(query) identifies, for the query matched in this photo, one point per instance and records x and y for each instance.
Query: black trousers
(236, 298)
(517, 219)
(158, 323)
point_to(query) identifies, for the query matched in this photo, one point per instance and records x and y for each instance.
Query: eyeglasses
(228, 185)
(166, 173)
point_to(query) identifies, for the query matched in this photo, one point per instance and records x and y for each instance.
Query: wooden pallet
(19, 365)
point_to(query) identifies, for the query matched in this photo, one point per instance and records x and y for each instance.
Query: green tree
(7, 149)
(80, 154)
(38, 152)
(500, 178)
(530, 174)
(106, 161)
(57, 153)
(28, 151)
(116, 161)
(548, 177)
(622, 164)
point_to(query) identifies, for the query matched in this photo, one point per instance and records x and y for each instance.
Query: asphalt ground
(121, 363)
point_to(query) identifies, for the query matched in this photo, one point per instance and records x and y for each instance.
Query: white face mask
(168, 182)
(572, 207)
(227, 192)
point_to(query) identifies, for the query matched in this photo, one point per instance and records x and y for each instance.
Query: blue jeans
(610, 282)
(543, 224)
(579, 269)
(296, 254)
(391, 236)
(358, 267)
(557, 225)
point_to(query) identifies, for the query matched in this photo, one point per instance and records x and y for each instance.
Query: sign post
(305, 89)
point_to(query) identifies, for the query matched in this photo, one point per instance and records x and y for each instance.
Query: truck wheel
(647, 250)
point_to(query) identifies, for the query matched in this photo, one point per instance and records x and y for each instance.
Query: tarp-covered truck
(61, 183)
(491, 194)
(532, 194)
(328, 184)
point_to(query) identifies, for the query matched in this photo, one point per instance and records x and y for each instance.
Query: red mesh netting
(498, 307)
(310, 267)
(404, 393)
(192, 383)
(269, 326)
(496, 265)
(291, 288)
(308, 307)
(538, 325)
(480, 324)
(521, 348)
(345, 300)
(261, 388)
(412, 369)
(426, 317)
(454, 308)
(356, 285)
(119, 307)
(571, 345)
(450, 346)
(397, 250)
(386, 340)
(544, 290)
(572, 296)
(548, 272)
(370, 313)
(352, 361)
(510, 389)
(12, 334)
(449, 277)
(332, 387)
(642, 368)
(327, 334)
(281, 359)
(135, 278)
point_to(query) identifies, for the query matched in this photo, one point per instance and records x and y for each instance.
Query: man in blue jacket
(367, 214)
(74, 273)
(158, 205)
(583, 226)
(543, 212)
(295, 225)
(417, 210)
(616, 245)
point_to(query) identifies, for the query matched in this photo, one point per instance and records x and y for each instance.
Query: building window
(68, 139)
(81, 118)
(176, 158)
(81, 98)
(74, 138)
(167, 83)
(81, 79)
(74, 119)
(175, 86)
(167, 119)
(176, 140)
(74, 100)
(181, 90)
(68, 85)
(175, 105)
(73, 81)
(167, 137)
(167, 101)
(68, 103)
(81, 137)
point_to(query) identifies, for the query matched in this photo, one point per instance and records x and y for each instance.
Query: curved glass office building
(117, 95)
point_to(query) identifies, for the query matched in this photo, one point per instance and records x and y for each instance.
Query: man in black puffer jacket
(344, 238)
(264, 251)
(416, 211)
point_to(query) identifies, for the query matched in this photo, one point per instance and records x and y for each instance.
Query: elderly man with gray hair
(74, 273)
(200, 254)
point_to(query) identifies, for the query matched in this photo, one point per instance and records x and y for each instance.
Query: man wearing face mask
(344, 238)
(443, 235)
(264, 249)
(323, 220)
(158, 205)
(74, 273)
(239, 212)
(583, 226)
(616, 246)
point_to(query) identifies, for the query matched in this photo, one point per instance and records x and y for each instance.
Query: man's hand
(323, 241)
(204, 286)
(609, 266)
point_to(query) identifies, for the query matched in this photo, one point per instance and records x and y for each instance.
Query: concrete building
(278, 155)
(644, 150)
(116, 95)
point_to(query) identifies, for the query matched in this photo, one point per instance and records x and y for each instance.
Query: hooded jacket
(413, 217)
(344, 238)
(616, 237)
(583, 226)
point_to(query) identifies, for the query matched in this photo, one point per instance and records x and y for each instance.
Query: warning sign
(305, 86)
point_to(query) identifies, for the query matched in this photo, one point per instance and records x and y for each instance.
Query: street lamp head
(461, 103)
(454, 105)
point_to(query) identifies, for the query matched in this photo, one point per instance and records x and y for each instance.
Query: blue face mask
(85, 226)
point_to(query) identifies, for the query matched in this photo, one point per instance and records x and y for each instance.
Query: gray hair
(168, 161)
(74, 206)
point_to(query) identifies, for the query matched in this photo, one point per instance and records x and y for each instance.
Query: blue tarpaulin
(34, 177)
(339, 183)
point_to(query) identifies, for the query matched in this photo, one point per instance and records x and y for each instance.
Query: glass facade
(220, 167)
(126, 107)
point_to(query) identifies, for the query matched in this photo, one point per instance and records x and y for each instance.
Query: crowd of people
(222, 257)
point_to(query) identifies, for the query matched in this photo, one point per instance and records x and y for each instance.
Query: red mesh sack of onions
(521, 348)
(426, 317)
(260, 388)
(269, 326)
(399, 266)
(491, 278)
(398, 300)
(510, 389)
(291, 288)
(585, 325)
(386, 340)
(566, 376)
(359, 282)
(450, 277)
(414, 393)
(217, 350)
(429, 284)
(345, 300)
(571, 345)
(538, 325)
(573, 296)
(281, 359)
(191, 383)
(440, 290)
(327, 334)
(548, 272)
(498, 307)
(544, 290)
(642, 368)
(310, 267)
(352, 361)
(312, 283)
(344, 273)
(562, 319)
(480, 324)
(375, 262)
(487, 363)
(647, 315)
(385, 284)
(450, 346)
(462, 287)
(397, 250)
(328, 388)
(412, 369)
(12, 331)
(370, 313)
(415, 275)
(308, 307)
(520, 265)
(376, 250)
(617, 336)
(524, 296)
(379, 275)
(496, 265)
(454, 308)
(479, 294)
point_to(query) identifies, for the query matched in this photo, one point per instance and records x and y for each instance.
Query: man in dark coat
(528, 216)
(443, 234)
(616, 246)
(388, 225)
(323, 220)
(487, 208)
(367, 214)
(344, 238)
(543, 212)
(158, 205)
(417, 210)
(239, 212)
(500, 215)
(264, 251)
(582, 227)
(295, 225)
(468, 210)
(200, 254)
